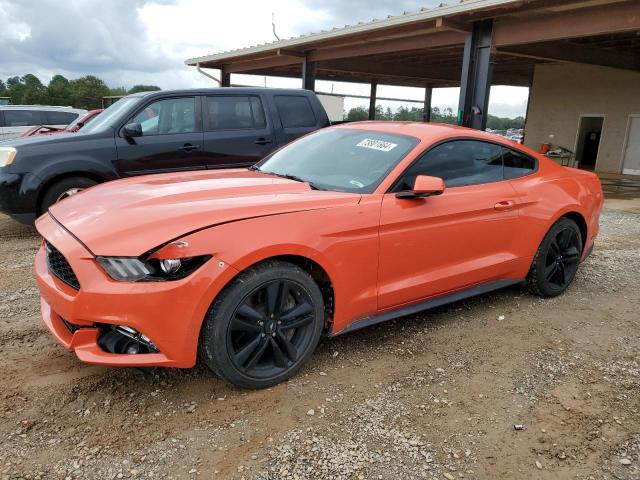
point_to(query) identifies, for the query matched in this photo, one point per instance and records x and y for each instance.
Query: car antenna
(273, 24)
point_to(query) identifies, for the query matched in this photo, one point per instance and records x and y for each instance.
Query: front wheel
(264, 326)
(62, 189)
(556, 262)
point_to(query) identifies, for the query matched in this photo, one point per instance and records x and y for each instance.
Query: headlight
(7, 154)
(129, 269)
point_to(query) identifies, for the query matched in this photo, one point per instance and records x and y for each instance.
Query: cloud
(127, 42)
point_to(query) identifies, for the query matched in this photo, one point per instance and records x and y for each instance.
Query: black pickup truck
(154, 132)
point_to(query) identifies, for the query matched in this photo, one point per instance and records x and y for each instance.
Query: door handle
(504, 205)
(187, 147)
(263, 141)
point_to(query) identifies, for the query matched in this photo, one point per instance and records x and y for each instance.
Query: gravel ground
(435, 395)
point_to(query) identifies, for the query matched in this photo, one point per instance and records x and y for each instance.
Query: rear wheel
(63, 189)
(556, 262)
(264, 326)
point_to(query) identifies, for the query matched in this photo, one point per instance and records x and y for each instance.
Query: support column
(477, 69)
(372, 100)
(225, 78)
(308, 74)
(426, 112)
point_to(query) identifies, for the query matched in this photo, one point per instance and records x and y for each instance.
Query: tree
(59, 91)
(143, 88)
(87, 92)
(118, 92)
(3, 89)
(357, 114)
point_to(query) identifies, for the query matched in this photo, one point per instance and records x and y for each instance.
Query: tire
(57, 191)
(249, 330)
(556, 262)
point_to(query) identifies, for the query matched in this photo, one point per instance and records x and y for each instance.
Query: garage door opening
(588, 141)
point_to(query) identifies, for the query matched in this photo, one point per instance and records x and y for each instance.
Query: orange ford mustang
(344, 228)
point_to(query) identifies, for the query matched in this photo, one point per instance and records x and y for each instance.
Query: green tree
(34, 91)
(357, 114)
(15, 90)
(118, 92)
(87, 92)
(143, 88)
(3, 89)
(59, 91)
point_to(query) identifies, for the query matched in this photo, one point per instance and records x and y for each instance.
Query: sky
(128, 42)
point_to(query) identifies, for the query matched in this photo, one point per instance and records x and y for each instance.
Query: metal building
(580, 58)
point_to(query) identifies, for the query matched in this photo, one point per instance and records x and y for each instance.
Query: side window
(232, 112)
(22, 118)
(295, 111)
(168, 116)
(458, 163)
(516, 164)
(59, 118)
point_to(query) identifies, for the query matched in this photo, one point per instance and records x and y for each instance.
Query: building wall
(334, 105)
(562, 92)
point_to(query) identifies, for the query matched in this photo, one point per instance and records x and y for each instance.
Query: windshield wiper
(295, 178)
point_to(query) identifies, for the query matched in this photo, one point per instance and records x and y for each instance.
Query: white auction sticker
(377, 145)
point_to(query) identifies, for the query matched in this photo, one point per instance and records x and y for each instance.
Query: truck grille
(59, 266)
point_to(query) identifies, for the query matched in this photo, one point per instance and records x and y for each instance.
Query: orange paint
(380, 252)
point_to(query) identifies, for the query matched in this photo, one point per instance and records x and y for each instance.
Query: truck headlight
(7, 154)
(131, 269)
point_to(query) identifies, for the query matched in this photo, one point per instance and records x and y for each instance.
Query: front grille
(59, 266)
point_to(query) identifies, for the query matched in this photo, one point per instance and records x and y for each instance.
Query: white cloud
(128, 42)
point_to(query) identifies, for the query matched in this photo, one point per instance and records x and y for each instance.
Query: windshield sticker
(377, 145)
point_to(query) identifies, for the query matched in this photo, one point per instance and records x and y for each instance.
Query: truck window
(168, 116)
(233, 112)
(295, 111)
(59, 118)
(22, 118)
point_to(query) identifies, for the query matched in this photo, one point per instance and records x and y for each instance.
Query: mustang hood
(132, 216)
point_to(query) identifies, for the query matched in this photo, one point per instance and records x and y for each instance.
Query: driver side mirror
(131, 130)
(424, 186)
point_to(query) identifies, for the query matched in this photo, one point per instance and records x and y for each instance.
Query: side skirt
(426, 305)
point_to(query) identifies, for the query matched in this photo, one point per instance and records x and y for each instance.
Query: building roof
(406, 18)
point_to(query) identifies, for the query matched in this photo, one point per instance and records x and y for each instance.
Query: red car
(73, 127)
(344, 228)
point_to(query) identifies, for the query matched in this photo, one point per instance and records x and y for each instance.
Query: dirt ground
(435, 395)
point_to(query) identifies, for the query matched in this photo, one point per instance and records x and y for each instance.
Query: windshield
(106, 118)
(340, 159)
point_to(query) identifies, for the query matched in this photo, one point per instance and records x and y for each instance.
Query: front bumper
(170, 314)
(16, 199)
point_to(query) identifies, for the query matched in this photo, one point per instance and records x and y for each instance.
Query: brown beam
(283, 52)
(261, 64)
(431, 73)
(447, 24)
(572, 52)
(610, 19)
(426, 112)
(418, 42)
(372, 100)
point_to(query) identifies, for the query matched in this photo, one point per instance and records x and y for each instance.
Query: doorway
(631, 158)
(588, 140)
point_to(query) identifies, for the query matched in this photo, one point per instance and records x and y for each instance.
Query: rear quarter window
(22, 118)
(295, 111)
(59, 118)
(516, 164)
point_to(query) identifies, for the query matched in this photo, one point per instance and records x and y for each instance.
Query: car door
(461, 238)
(237, 133)
(171, 138)
(296, 116)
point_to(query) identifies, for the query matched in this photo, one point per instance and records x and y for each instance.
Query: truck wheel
(63, 189)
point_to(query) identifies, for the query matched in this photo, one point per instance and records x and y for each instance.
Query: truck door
(296, 116)
(237, 133)
(171, 138)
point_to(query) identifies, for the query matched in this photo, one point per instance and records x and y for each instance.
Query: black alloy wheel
(264, 326)
(270, 327)
(557, 260)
